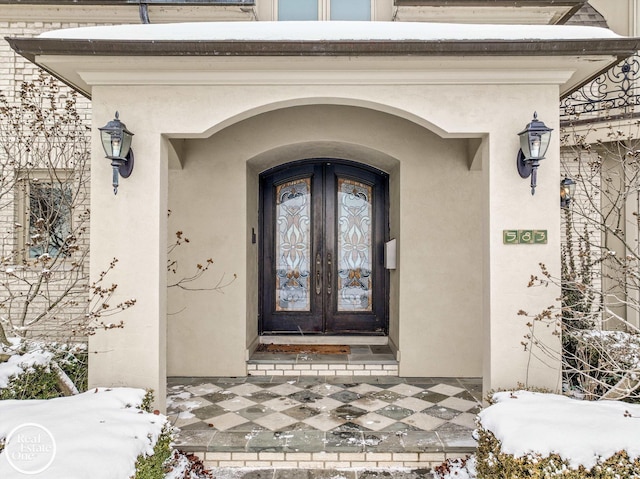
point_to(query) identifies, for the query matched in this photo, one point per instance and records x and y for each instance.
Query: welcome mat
(303, 349)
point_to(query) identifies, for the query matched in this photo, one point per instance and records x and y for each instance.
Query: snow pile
(329, 31)
(580, 432)
(98, 434)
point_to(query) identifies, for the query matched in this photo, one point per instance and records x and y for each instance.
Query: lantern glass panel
(568, 187)
(524, 144)
(105, 136)
(126, 144)
(545, 138)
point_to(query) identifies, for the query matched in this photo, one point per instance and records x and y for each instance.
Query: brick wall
(20, 278)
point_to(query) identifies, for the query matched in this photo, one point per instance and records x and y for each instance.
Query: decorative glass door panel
(323, 227)
(355, 207)
(293, 245)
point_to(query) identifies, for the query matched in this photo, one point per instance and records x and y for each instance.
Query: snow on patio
(97, 434)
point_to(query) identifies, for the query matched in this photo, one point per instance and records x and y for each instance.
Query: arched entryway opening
(323, 224)
(434, 213)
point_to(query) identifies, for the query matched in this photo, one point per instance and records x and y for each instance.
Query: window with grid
(45, 211)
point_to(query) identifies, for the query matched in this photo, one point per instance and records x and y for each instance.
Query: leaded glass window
(293, 245)
(354, 222)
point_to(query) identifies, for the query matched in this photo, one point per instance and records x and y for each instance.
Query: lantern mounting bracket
(524, 167)
(126, 168)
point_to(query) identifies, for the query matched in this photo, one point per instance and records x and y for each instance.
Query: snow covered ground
(579, 431)
(97, 434)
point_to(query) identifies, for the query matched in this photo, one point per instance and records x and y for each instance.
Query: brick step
(276, 368)
(329, 460)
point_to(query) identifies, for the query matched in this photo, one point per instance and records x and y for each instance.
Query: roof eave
(31, 47)
(616, 48)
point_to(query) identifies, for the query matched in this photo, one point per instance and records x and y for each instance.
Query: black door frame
(346, 323)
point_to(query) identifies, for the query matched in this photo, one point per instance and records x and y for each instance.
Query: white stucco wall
(131, 227)
(449, 227)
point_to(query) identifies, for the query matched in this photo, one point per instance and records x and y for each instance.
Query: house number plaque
(524, 236)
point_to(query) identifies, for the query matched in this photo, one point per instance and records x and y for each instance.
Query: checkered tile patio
(250, 416)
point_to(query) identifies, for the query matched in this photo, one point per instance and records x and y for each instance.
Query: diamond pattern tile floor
(309, 414)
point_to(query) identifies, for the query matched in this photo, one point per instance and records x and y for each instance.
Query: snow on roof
(329, 31)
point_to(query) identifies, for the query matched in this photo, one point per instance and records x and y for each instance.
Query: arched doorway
(323, 225)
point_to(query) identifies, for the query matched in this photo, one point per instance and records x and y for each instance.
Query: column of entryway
(130, 227)
(511, 355)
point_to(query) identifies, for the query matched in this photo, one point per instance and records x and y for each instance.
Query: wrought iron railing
(616, 92)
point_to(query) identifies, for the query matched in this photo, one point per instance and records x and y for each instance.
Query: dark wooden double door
(323, 227)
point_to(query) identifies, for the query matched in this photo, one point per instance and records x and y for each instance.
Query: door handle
(318, 274)
(330, 269)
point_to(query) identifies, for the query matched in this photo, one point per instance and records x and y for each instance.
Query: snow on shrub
(19, 364)
(621, 346)
(535, 435)
(36, 370)
(98, 434)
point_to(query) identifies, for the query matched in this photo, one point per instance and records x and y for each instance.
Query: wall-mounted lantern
(534, 141)
(567, 190)
(116, 141)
